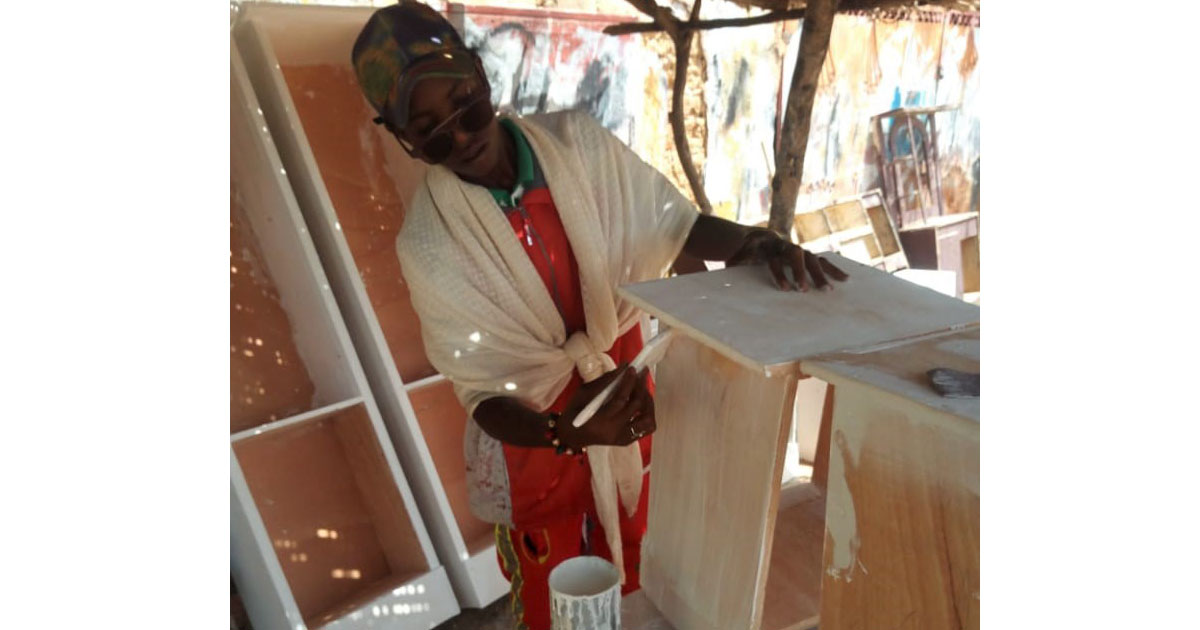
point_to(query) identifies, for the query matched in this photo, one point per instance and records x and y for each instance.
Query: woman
(512, 248)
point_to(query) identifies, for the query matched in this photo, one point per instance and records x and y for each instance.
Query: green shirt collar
(510, 198)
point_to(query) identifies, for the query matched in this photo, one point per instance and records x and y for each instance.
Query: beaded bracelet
(552, 434)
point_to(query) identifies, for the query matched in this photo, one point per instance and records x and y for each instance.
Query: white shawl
(487, 320)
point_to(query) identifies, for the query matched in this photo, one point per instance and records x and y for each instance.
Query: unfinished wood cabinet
(937, 243)
(970, 263)
(353, 182)
(902, 507)
(693, 572)
(727, 546)
(324, 531)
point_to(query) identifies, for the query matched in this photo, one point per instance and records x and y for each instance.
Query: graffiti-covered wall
(879, 63)
(541, 60)
(544, 61)
(875, 63)
(742, 92)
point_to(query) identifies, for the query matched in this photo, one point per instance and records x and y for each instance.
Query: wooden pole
(797, 117)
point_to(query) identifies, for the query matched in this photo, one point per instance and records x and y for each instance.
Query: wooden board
(298, 57)
(342, 401)
(267, 377)
(806, 421)
(811, 225)
(334, 514)
(900, 369)
(902, 463)
(902, 513)
(714, 489)
(275, 251)
(867, 243)
(740, 312)
(857, 228)
(369, 179)
(940, 221)
(443, 423)
(639, 613)
(920, 247)
(820, 476)
(845, 216)
(793, 591)
(970, 264)
(881, 223)
(938, 243)
(793, 585)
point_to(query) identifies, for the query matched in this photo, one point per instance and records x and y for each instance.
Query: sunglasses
(438, 144)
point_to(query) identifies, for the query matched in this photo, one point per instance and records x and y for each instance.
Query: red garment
(528, 556)
(551, 493)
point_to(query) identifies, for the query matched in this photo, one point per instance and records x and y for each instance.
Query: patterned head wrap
(398, 47)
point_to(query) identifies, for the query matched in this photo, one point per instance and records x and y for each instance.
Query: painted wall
(742, 94)
(545, 60)
(538, 61)
(919, 58)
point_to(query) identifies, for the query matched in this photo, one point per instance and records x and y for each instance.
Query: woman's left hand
(763, 245)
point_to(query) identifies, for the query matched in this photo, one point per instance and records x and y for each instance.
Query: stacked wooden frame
(857, 227)
(324, 530)
(351, 180)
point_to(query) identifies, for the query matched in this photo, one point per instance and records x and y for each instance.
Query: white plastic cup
(585, 594)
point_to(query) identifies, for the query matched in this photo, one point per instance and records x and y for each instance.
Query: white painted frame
(324, 344)
(476, 577)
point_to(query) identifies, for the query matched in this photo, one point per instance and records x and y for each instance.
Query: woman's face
(473, 155)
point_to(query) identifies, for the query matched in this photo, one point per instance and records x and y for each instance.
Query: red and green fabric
(552, 504)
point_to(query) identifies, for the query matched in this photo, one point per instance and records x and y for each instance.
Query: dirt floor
(494, 617)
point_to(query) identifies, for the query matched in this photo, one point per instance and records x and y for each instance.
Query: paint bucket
(585, 594)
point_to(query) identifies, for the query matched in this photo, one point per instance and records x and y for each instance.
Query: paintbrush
(953, 383)
(650, 355)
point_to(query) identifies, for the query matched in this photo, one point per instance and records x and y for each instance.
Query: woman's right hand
(627, 416)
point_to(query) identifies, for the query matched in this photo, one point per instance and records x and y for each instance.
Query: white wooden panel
(297, 419)
(290, 255)
(901, 369)
(307, 35)
(255, 568)
(325, 344)
(420, 603)
(740, 312)
(483, 570)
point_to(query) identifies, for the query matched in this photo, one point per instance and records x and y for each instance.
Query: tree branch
(661, 15)
(682, 40)
(775, 5)
(683, 48)
(782, 10)
(704, 25)
(859, 5)
(797, 117)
